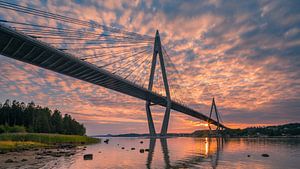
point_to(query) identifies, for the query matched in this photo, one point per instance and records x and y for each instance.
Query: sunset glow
(244, 55)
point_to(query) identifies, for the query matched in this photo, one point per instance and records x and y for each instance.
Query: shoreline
(37, 158)
(39, 150)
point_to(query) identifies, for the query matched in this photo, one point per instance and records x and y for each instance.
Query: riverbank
(43, 157)
(35, 150)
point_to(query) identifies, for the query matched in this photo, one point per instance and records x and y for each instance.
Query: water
(190, 153)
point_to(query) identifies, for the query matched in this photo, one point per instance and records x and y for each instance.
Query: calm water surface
(190, 153)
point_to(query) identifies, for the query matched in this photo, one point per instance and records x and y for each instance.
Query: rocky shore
(37, 158)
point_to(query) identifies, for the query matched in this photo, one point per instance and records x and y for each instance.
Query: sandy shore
(36, 158)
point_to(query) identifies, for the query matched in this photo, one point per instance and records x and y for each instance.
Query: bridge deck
(21, 47)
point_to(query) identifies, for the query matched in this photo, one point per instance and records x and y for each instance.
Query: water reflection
(187, 152)
(211, 153)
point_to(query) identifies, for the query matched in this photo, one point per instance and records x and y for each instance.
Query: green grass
(48, 138)
(14, 145)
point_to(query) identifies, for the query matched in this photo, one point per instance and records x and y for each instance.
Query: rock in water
(248, 155)
(265, 155)
(123, 148)
(133, 148)
(141, 142)
(142, 150)
(88, 157)
(9, 161)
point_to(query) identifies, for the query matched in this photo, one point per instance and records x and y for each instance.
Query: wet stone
(88, 157)
(106, 141)
(9, 161)
(265, 155)
(39, 157)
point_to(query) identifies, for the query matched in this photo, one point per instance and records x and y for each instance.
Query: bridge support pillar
(158, 51)
(150, 120)
(214, 107)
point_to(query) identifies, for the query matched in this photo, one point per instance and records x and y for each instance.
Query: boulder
(88, 157)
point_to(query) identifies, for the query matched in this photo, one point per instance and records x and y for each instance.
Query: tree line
(37, 119)
(291, 129)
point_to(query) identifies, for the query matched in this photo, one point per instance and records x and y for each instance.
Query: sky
(245, 54)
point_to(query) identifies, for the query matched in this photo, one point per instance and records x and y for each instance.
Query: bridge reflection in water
(207, 153)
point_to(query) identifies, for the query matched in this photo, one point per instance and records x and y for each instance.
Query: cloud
(244, 54)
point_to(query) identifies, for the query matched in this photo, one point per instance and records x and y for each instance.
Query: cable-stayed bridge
(124, 61)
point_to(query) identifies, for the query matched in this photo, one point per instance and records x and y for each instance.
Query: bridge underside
(24, 48)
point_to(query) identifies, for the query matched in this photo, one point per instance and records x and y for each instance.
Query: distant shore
(187, 135)
(291, 130)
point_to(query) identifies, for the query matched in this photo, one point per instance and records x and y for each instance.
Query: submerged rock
(9, 161)
(106, 141)
(88, 157)
(39, 157)
(265, 155)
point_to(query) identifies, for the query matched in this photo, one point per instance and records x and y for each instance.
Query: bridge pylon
(158, 51)
(214, 107)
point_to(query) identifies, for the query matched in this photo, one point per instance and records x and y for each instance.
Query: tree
(38, 119)
(57, 122)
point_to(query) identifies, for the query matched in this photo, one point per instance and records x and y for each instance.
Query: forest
(36, 119)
